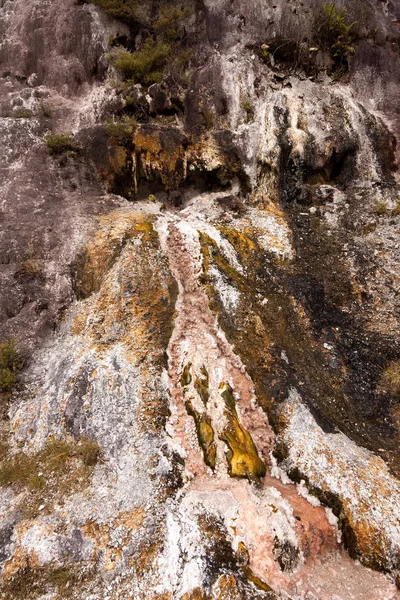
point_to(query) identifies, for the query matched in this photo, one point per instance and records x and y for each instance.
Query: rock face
(200, 269)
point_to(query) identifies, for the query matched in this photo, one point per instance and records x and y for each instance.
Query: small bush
(333, 33)
(170, 25)
(10, 365)
(61, 143)
(121, 132)
(125, 10)
(165, 26)
(144, 66)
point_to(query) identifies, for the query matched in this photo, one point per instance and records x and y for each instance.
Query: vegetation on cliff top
(331, 34)
(163, 34)
(125, 10)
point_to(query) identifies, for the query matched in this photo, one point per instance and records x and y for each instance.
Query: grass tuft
(50, 475)
(10, 364)
(390, 379)
(61, 143)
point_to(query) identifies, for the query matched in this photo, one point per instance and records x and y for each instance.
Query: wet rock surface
(204, 285)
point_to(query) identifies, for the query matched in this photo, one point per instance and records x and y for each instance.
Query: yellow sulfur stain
(242, 456)
(243, 244)
(205, 434)
(186, 377)
(201, 385)
(156, 152)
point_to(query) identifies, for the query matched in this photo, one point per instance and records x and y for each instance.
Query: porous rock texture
(210, 295)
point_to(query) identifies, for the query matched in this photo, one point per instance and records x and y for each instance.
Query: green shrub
(165, 27)
(60, 143)
(121, 132)
(125, 10)
(144, 66)
(169, 26)
(10, 365)
(332, 32)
